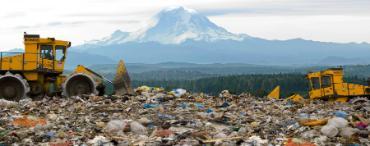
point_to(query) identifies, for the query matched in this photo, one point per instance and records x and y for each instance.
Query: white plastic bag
(329, 130)
(137, 128)
(347, 132)
(338, 122)
(179, 92)
(116, 127)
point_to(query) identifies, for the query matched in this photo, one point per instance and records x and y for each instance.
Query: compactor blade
(122, 82)
(275, 94)
(296, 98)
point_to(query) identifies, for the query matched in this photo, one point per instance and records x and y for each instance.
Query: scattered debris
(28, 121)
(6, 103)
(157, 117)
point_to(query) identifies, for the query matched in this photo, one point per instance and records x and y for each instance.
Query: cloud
(218, 12)
(290, 7)
(74, 23)
(108, 14)
(14, 15)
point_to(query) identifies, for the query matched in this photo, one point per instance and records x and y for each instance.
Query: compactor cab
(329, 85)
(48, 53)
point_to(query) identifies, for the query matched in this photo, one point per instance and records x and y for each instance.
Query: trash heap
(156, 117)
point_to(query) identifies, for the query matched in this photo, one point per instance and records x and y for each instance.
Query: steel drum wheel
(12, 87)
(79, 85)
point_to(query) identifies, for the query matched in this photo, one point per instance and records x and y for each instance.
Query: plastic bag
(137, 128)
(179, 92)
(347, 132)
(116, 127)
(338, 122)
(341, 114)
(329, 130)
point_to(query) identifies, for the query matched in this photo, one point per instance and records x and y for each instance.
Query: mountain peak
(175, 25)
(179, 9)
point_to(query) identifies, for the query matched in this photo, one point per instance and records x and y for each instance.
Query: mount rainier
(180, 34)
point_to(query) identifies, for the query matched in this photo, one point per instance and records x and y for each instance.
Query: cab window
(60, 52)
(315, 83)
(325, 81)
(47, 52)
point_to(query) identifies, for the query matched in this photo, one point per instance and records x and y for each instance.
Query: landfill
(156, 117)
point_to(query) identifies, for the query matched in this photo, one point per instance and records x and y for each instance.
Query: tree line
(258, 84)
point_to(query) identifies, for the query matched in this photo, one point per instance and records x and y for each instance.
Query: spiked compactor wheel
(79, 84)
(13, 87)
(359, 100)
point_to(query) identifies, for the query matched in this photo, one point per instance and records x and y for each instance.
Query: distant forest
(258, 85)
(237, 78)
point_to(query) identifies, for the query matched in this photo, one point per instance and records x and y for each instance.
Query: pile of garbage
(156, 117)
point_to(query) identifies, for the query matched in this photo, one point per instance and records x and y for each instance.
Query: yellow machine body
(39, 70)
(329, 85)
(41, 64)
(41, 55)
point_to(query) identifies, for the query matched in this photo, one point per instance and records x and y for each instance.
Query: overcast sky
(83, 20)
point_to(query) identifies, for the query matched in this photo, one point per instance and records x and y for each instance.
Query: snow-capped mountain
(174, 25)
(180, 34)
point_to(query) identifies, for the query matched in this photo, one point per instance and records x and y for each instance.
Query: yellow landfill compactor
(329, 85)
(38, 71)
